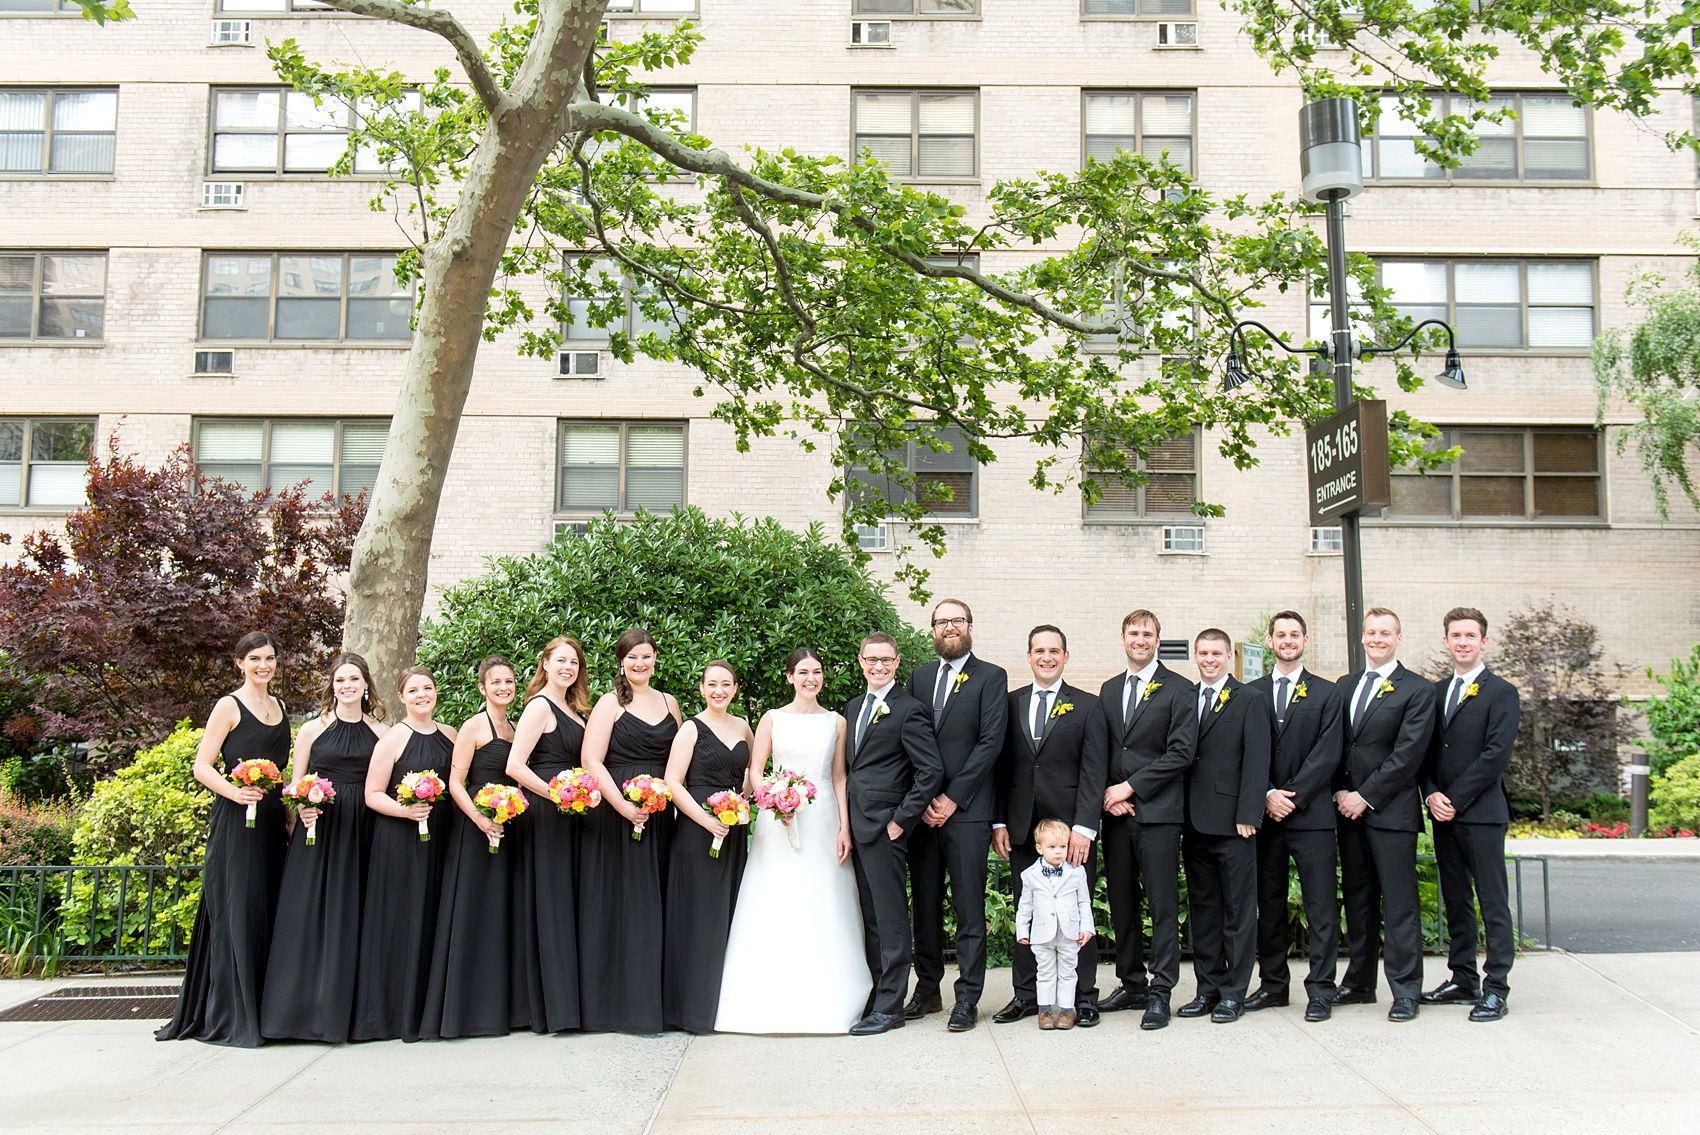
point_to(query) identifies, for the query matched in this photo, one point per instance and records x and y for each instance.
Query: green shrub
(1673, 797)
(33, 833)
(1674, 720)
(747, 591)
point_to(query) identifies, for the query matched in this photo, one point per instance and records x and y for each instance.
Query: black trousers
(1143, 861)
(880, 867)
(1319, 884)
(1473, 855)
(1221, 888)
(958, 848)
(1378, 875)
(1024, 970)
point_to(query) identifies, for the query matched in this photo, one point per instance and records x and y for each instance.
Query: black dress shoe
(875, 1023)
(963, 1017)
(1227, 1011)
(1318, 1010)
(1346, 995)
(1266, 998)
(1450, 993)
(1404, 1009)
(1199, 1006)
(919, 1006)
(1124, 998)
(1156, 1012)
(1492, 1007)
(1018, 1009)
(1086, 1016)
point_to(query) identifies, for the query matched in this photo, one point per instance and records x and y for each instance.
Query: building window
(276, 130)
(44, 462)
(948, 482)
(1547, 140)
(621, 466)
(1506, 474)
(602, 276)
(329, 296)
(320, 455)
(651, 7)
(915, 7)
(1136, 8)
(52, 296)
(1327, 542)
(1170, 489)
(919, 135)
(1503, 303)
(275, 7)
(56, 133)
(1150, 124)
(24, 7)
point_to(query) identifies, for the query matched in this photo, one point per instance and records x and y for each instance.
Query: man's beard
(951, 651)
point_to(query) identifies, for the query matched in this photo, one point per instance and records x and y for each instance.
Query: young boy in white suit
(1055, 918)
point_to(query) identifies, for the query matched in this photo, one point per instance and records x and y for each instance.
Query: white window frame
(562, 425)
(27, 461)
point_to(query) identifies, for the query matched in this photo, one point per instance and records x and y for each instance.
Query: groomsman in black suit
(1389, 716)
(1153, 728)
(893, 771)
(1224, 805)
(1056, 757)
(1300, 819)
(969, 698)
(1464, 783)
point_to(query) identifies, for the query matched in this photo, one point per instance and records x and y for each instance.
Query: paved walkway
(1605, 1043)
(1676, 849)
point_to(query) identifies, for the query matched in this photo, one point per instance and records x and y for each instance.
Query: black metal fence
(116, 913)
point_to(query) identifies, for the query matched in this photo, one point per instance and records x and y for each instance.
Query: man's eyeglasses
(953, 624)
(879, 661)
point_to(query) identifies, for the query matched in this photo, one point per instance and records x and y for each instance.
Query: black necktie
(1281, 685)
(1203, 703)
(1371, 681)
(1452, 699)
(862, 719)
(1039, 716)
(943, 691)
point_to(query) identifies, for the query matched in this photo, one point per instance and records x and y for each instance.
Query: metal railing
(115, 913)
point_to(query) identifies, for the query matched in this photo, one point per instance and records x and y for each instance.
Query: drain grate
(98, 1003)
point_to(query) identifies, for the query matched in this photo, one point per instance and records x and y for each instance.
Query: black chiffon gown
(315, 948)
(231, 940)
(622, 884)
(702, 890)
(404, 883)
(467, 994)
(546, 850)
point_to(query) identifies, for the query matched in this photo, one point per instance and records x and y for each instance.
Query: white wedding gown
(795, 962)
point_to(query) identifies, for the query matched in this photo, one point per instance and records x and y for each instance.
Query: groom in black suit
(894, 771)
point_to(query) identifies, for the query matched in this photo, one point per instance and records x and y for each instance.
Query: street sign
(1346, 456)
(1249, 656)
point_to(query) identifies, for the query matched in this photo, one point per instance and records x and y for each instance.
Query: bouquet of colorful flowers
(309, 792)
(256, 774)
(500, 802)
(650, 794)
(575, 791)
(731, 809)
(782, 794)
(420, 788)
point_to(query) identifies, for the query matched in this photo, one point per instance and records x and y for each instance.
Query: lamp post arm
(1239, 334)
(1369, 351)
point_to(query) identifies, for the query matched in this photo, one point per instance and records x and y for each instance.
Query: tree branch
(472, 60)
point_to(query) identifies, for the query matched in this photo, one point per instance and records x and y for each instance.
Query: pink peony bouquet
(650, 794)
(731, 809)
(309, 792)
(256, 774)
(781, 795)
(420, 788)
(575, 791)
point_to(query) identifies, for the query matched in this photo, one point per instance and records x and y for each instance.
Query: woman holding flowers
(547, 742)
(467, 994)
(404, 878)
(708, 775)
(623, 861)
(316, 946)
(220, 1001)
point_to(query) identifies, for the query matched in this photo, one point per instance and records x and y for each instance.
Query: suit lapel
(1293, 700)
(1215, 710)
(855, 711)
(1051, 718)
(950, 697)
(1138, 707)
(1376, 698)
(1025, 709)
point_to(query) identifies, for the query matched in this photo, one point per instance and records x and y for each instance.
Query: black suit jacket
(1228, 778)
(895, 771)
(1385, 753)
(1063, 777)
(970, 735)
(1469, 755)
(1307, 749)
(1152, 749)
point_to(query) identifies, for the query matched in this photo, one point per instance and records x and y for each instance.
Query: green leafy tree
(1674, 720)
(1673, 798)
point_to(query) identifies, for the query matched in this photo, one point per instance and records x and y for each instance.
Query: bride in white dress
(795, 960)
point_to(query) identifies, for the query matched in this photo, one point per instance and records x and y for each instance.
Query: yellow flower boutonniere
(1471, 690)
(1151, 688)
(1386, 688)
(1300, 691)
(961, 679)
(1221, 699)
(1062, 708)
(880, 711)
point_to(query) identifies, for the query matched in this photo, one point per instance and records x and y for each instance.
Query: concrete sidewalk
(1592, 1044)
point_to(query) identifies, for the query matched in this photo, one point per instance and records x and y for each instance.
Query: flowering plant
(731, 809)
(309, 792)
(256, 774)
(499, 802)
(420, 788)
(575, 791)
(781, 795)
(650, 794)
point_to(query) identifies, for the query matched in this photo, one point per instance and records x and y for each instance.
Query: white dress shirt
(1380, 674)
(1460, 683)
(1210, 691)
(1033, 726)
(1135, 688)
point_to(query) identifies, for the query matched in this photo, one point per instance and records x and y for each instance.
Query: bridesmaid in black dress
(622, 880)
(711, 754)
(220, 1001)
(548, 740)
(404, 879)
(310, 984)
(467, 994)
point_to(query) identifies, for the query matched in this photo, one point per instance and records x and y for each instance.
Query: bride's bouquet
(731, 809)
(260, 774)
(574, 791)
(309, 792)
(500, 802)
(650, 794)
(420, 788)
(782, 794)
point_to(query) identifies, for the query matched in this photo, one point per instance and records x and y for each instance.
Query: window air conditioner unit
(221, 195)
(571, 529)
(215, 362)
(232, 33)
(1184, 538)
(870, 33)
(1177, 35)
(580, 364)
(871, 537)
